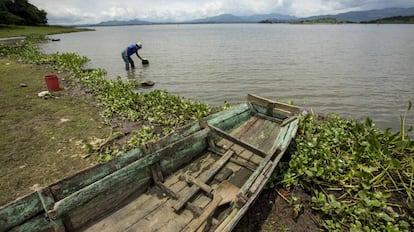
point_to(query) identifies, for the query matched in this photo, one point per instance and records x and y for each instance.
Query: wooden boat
(203, 177)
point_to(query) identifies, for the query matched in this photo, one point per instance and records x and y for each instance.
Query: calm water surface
(357, 71)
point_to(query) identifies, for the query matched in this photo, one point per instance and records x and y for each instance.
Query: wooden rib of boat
(203, 177)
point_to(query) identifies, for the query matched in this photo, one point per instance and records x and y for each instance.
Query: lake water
(356, 71)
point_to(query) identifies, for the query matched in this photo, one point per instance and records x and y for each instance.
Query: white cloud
(94, 11)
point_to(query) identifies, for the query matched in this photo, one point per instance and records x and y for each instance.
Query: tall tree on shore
(21, 12)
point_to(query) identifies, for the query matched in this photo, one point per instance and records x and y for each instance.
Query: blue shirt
(132, 49)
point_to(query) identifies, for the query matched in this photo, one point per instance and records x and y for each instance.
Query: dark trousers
(128, 60)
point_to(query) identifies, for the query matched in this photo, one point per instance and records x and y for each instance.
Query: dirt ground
(271, 212)
(43, 139)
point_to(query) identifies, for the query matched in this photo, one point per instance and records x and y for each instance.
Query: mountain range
(352, 16)
(369, 15)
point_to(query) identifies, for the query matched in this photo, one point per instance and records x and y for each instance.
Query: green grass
(13, 30)
(42, 140)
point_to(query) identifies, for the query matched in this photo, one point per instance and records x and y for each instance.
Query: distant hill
(122, 23)
(353, 16)
(369, 15)
(394, 20)
(318, 21)
(229, 18)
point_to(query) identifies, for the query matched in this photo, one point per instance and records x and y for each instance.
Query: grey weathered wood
(244, 207)
(85, 194)
(238, 141)
(237, 160)
(19, 211)
(38, 223)
(156, 171)
(262, 177)
(129, 215)
(166, 190)
(47, 199)
(279, 106)
(288, 120)
(206, 176)
(107, 201)
(268, 118)
(197, 211)
(219, 118)
(280, 138)
(242, 195)
(71, 184)
(224, 223)
(203, 186)
(195, 224)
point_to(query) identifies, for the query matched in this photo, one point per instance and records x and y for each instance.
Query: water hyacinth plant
(361, 178)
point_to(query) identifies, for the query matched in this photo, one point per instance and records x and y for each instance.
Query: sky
(66, 12)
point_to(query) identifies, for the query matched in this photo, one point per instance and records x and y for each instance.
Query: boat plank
(272, 136)
(129, 215)
(270, 133)
(238, 160)
(38, 223)
(168, 222)
(257, 136)
(221, 117)
(19, 210)
(239, 142)
(137, 210)
(106, 202)
(280, 137)
(241, 211)
(247, 155)
(87, 193)
(265, 102)
(239, 131)
(256, 159)
(203, 177)
(251, 132)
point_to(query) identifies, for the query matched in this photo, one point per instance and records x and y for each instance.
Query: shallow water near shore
(356, 71)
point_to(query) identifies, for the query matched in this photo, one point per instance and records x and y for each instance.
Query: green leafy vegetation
(360, 178)
(19, 30)
(21, 12)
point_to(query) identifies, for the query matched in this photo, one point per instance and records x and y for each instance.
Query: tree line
(21, 12)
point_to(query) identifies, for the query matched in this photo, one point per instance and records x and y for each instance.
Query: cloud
(94, 11)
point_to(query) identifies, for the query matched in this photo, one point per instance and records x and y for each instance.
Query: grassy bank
(13, 30)
(42, 140)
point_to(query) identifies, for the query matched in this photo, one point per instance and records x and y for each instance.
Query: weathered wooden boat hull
(170, 185)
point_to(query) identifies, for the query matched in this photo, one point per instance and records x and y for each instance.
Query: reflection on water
(134, 76)
(137, 76)
(356, 71)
